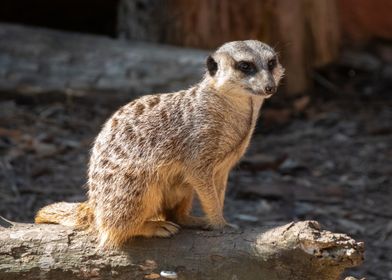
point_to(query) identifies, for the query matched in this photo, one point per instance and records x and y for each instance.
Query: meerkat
(154, 153)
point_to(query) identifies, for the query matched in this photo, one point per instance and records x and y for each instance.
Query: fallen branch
(294, 251)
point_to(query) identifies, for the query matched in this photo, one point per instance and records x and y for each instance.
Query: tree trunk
(293, 251)
(305, 32)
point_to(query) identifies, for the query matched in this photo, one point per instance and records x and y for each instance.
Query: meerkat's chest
(238, 130)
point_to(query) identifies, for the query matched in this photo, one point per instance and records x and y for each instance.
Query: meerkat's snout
(261, 83)
(269, 85)
(270, 89)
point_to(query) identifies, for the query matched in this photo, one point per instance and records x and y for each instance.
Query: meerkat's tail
(77, 215)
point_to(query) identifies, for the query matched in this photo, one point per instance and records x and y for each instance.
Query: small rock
(247, 218)
(264, 206)
(339, 137)
(44, 149)
(169, 274)
(291, 166)
(152, 276)
(148, 264)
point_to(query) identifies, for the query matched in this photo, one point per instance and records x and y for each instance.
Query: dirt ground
(330, 161)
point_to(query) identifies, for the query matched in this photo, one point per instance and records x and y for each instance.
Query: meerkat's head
(245, 67)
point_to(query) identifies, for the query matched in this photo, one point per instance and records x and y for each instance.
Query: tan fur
(154, 153)
(78, 215)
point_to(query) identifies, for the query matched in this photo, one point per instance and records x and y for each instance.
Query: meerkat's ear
(212, 66)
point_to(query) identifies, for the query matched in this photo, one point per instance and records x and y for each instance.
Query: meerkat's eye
(271, 64)
(246, 67)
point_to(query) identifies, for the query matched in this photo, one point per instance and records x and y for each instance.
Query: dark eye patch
(272, 64)
(246, 67)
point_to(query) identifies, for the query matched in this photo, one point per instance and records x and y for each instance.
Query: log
(298, 250)
(50, 64)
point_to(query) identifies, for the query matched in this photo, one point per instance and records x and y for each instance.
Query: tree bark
(294, 251)
(306, 33)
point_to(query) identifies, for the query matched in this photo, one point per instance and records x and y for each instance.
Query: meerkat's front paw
(160, 228)
(224, 227)
(216, 224)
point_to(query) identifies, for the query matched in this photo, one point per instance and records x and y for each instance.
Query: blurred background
(323, 146)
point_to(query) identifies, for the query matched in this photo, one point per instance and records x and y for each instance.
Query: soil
(330, 160)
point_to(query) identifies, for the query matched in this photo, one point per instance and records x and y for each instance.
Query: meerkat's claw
(165, 229)
(173, 224)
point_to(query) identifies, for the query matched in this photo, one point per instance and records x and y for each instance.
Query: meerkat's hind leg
(133, 218)
(116, 237)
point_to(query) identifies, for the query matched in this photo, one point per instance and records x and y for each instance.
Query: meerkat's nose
(269, 89)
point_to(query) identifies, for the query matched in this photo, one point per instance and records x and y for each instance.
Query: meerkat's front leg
(221, 178)
(210, 202)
